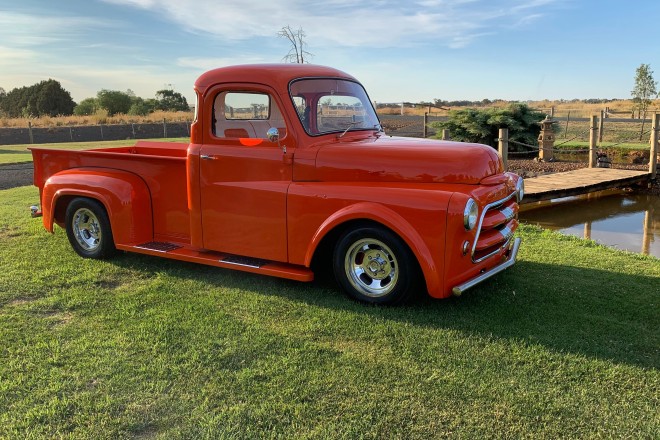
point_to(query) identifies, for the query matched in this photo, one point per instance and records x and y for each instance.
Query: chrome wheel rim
(371, 267)
(86, 229)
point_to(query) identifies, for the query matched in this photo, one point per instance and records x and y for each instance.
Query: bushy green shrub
(482, 126)
(86, 107)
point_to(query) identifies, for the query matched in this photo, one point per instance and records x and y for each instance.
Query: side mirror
(273, 135)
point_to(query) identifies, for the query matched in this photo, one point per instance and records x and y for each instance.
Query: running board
(218, 259)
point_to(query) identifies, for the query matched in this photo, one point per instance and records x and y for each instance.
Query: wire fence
(612, 132)
(93, 133)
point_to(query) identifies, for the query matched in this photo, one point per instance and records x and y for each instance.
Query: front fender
(389, 218)
(124, 195)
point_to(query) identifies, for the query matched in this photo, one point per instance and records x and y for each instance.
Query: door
(244, 177)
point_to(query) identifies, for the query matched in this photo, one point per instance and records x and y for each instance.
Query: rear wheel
(88, 229)
(373, 265)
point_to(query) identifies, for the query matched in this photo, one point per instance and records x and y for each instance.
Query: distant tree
(114, 101)
(482, 126)
(142, 107)
(297, 52)
(86, 107)
(645, 88)
(52, 100)
(44, 98)
(169, 100)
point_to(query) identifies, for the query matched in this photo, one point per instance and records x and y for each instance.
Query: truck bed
(162, 166)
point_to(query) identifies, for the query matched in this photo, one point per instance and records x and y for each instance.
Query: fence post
(30, 132)
(593, 139)
(133, 129)
(503, 146)
(426, 120)
(71, 133)
(164, 128)
(601, 122)
(647, 235)
(101, 127)
(653, 157)
(568, 118)
(552, 112)
(445, 135)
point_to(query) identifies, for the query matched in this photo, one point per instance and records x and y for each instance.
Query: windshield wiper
(350, 125)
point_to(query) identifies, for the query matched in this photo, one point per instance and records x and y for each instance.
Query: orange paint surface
(277, 201)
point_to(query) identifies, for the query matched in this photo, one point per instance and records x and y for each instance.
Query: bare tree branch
(297, 52)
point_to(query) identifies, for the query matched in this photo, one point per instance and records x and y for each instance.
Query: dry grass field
(100, 117)
(621, 108)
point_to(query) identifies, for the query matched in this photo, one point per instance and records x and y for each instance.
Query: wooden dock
(582, 181)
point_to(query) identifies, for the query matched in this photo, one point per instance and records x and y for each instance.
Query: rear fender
(387, 217)
(124, 195)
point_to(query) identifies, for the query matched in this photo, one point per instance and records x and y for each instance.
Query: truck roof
(272, 74)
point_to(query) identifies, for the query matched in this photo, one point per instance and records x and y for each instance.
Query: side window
(242, 114)
(303, 110)
(246, 106)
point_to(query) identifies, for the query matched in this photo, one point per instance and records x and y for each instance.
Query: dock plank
(582, 181)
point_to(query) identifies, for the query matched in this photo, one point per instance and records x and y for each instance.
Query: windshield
(330, 105)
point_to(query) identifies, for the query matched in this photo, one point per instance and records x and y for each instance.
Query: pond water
(628, 221)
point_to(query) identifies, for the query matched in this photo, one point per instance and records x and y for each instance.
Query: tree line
(49, 98)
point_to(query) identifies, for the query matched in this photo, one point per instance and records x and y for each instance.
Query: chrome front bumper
(513, 252)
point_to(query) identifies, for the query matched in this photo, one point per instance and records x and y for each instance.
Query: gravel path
(15, 174)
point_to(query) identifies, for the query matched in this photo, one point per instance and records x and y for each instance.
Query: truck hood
(395, 159)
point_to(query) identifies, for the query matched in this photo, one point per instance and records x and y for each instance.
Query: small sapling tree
(645, 88)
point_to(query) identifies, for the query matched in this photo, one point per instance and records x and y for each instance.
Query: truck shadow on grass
(588, 312)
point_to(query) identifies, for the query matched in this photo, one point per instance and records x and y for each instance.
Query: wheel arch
(125, 197)
(373, 214)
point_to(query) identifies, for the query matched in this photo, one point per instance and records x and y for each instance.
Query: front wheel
(373, 265)
(88, 229)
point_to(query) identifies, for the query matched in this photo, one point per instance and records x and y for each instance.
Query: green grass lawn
(20, 153)
(620, 146)
(565, 344)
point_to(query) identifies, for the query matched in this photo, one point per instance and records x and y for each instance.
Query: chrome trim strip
(509, 213)
(481, 221)
(458, 290)
(243, 261)
(239, 264)
(507, 233)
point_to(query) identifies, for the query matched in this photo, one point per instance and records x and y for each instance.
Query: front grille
(497, 224)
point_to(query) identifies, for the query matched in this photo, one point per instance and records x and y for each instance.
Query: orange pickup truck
(288, 171)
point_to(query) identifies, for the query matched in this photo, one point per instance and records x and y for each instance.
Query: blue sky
(401, 50)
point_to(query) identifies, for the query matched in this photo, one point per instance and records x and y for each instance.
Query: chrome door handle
(207, 157)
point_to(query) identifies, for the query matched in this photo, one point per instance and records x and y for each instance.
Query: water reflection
(624, 220)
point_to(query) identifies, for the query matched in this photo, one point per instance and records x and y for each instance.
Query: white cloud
(26, 30)
(9, 54)
(370, 23)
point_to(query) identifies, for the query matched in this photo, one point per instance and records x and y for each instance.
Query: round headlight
(520, 189)
(470, 214)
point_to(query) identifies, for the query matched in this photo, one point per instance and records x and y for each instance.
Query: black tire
(88, 229)
(375, 266)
